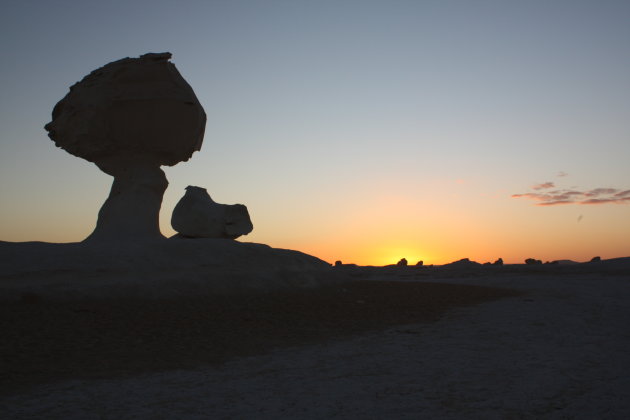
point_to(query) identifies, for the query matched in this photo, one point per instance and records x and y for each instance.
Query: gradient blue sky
(364, 131)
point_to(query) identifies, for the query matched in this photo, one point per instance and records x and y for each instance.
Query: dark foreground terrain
(47, 341)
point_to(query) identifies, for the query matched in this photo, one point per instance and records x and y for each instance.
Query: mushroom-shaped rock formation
(130, 117)
(196, 215)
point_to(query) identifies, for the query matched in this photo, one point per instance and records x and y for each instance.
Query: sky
(360, 131)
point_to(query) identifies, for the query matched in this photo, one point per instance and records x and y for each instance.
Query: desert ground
(513, 341)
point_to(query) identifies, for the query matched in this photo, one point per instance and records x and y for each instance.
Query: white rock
(196, 215)
(130, 117)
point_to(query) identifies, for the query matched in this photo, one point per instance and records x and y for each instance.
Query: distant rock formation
(338, 263)
(532, 261)
(130, 117)
(402, 262)
(498, 262)
(196, 215)
(419, 263)
(463, 263)
(596, 259)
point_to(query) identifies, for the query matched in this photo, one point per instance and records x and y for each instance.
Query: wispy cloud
(600, 191)
(561, 196)
(543, 186)
(562, 174)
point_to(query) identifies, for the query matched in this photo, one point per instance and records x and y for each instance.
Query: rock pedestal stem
(132, 210)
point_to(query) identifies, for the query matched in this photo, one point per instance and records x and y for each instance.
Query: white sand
(562, 351)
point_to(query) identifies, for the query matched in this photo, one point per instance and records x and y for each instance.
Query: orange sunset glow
(410, 130)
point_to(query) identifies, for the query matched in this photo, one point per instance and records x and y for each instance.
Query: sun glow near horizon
(364, 132)
(443, 222)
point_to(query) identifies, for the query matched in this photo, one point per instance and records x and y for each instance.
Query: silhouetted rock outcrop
(498, 262)
(402, 262)
(196, 215)
(130, 117)
(463, 263)
(419, 263)
(532, 261)
(596, 259)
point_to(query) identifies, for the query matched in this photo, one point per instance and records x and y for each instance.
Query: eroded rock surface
(130, 117)
(196, 215)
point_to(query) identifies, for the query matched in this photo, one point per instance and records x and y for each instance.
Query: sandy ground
(561, 349)
(46, 340)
